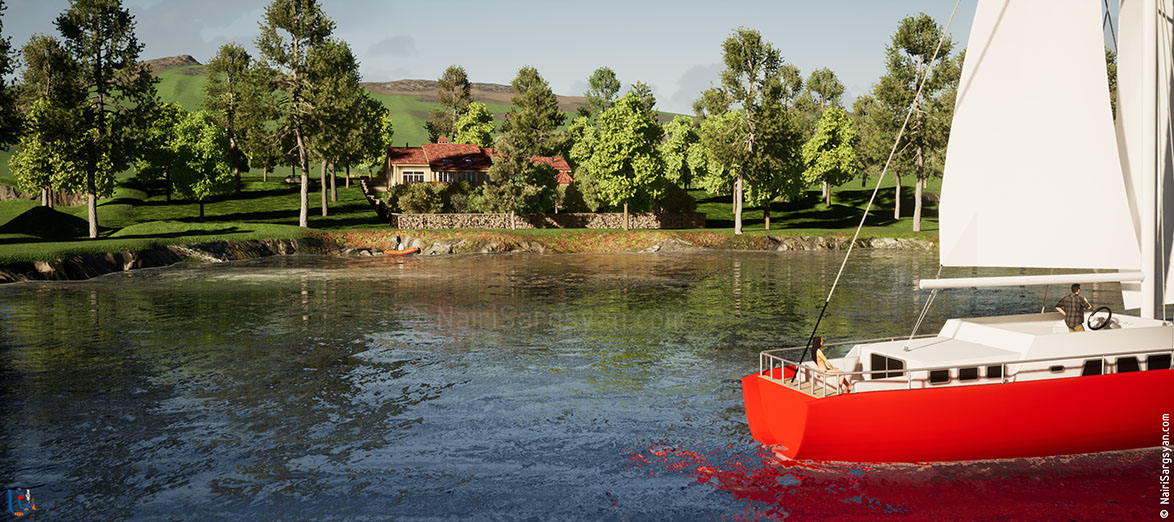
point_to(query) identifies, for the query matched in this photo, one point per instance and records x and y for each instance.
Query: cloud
(689, 87)
(400, 46)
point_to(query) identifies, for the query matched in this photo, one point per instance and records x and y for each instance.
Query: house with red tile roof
(449, 162)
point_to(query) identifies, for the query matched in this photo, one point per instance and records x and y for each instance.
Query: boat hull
(404, 252)
(1028, 419)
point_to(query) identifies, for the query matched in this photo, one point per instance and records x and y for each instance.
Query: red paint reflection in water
(1118, 485)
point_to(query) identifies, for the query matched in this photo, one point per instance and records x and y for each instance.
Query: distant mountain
(491, 93)
(159, 65)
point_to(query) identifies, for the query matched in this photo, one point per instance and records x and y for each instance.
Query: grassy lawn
(138, 217)
(809, 216)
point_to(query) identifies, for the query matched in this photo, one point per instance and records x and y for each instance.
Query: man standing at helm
(1073, 307)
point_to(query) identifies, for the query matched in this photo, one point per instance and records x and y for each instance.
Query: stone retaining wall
(615, 220)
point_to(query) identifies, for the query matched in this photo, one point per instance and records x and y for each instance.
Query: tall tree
(872, 139)
(602, 87)
(476, 126)
(290, 31)
(792, 84)
(643, 92)
(225, 94)
(907, 61)
(528, 131)
(337, 99)
(453, 93)
(626, 159)
(120, 91)
(711, 102)
(9, 117)
(50, 98)
(825, 88)
(830, 155)
(753, 82)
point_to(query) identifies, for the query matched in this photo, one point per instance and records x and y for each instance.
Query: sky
(674, 46)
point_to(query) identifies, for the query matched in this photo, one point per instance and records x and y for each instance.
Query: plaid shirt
(1074, 307)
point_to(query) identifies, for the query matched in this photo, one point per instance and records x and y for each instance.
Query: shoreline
(360, 243)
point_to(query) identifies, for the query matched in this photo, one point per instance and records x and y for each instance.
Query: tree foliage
(290, 31)
(826, 89)
(119, 92)
(159, 160)
(682, 152)
(476, 126)
(202, 165)
(626, 160)
(46, 157)
(602, 87)
(830, 155)
(9, 116)
(235, 100)
(528, 131)
(454, 93)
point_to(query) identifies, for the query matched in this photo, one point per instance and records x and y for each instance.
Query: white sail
(1032, 175)
(1144, 79)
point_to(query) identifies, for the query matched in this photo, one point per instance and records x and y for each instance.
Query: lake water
(480, 387)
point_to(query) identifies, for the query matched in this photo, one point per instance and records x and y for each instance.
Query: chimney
(442, 139)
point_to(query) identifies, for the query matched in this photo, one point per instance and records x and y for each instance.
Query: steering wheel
(1096, 323)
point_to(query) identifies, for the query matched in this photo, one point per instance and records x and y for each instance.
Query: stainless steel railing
(768, 362)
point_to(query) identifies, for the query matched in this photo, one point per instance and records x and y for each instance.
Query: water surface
(479, 387)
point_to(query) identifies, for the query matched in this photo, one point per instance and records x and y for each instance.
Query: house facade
(449, 162)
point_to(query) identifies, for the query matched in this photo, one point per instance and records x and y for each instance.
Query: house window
(471, 177)
(413, 176)
(446, 177)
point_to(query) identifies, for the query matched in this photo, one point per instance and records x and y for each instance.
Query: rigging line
(885, 170)
(933, 294)
(1044, 305)
(1166, 29)
(1108, 22)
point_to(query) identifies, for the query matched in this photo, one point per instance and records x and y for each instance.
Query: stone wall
(65, 199)
(645, 220)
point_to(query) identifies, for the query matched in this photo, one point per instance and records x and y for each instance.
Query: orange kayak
(403, 252)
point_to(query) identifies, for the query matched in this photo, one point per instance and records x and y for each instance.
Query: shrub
(391, 197)
(676, 199)
(570, 198)
(460, 203)
(420, 198)
(458, 189)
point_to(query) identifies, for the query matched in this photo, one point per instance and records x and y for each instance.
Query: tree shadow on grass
(165, 235)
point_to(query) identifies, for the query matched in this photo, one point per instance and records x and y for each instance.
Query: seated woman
(822, 362)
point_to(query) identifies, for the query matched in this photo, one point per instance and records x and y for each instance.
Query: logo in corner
(20, 502)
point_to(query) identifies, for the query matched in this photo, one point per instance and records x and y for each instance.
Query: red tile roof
(406, 156)
(452, 157)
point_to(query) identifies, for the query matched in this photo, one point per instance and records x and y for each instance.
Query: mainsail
(1032, 175)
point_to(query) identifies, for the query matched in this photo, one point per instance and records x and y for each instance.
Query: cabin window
(994, 372)
(1158, 362)
(882, 363)
(1091, 367)
(1056, 368)
(968, 374)
(1127, 364)
(939, 376)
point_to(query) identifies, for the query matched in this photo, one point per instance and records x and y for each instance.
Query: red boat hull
(1028, 419)
(404, 252)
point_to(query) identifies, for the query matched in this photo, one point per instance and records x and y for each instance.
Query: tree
(626, 159)
(683, 156)
(712, 101)
(908, 61)
(528, 131)
(453, 93)
(158, 159)
(476, 126)
(825, 88)
(119, 92)
(829, 156)
(752, 80)
(602, 87)
(370, 139)
(226, 96)
(337, 99)
(203, 161)
(46, 157)
(290, 31)
(792, 84)
(9, 117)
(872, 140)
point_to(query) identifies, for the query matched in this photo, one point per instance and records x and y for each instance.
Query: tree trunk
(333, 185)
(863, 180)
(167, 184)
(917, 203)
(920, 180)
(626, 223)
(766, 214)
(322, 179)
(827, 193)
(304, 208)
(348, 176)
(236, 173)
(44, 196)
(92, 202)
(897, 198)
(265, 174)
(201, 210)
(513, 221)
(738, 204)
